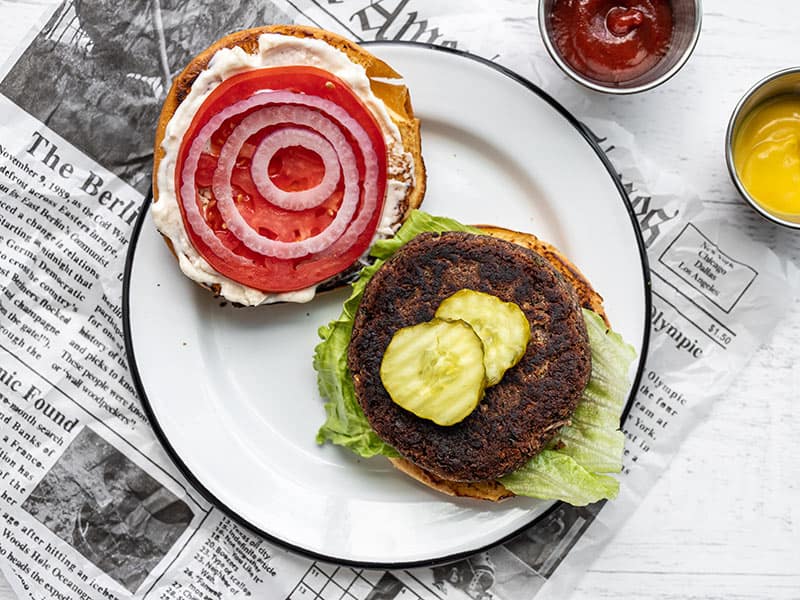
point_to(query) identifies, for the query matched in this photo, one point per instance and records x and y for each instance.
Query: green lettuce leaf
(593, 437)
(570, 469)
(346, 424)
(418, 222)
(551, 475)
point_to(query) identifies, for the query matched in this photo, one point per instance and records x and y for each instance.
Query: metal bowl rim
(729, 133)
(620, 91)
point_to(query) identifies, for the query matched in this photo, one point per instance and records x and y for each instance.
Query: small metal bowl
(687, 18)
(778, 84)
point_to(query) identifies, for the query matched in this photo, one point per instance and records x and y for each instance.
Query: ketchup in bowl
(612, 40)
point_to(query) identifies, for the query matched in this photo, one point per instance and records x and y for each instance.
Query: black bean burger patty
(516, 417)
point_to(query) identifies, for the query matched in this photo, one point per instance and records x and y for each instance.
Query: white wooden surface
(724, 520)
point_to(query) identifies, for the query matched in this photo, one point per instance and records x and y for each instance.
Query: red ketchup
(612, 40)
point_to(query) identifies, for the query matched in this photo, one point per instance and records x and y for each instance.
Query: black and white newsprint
(90, 506)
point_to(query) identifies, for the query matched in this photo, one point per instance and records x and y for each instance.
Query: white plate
(232, 393)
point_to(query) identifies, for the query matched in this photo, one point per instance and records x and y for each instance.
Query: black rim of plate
(189, 475)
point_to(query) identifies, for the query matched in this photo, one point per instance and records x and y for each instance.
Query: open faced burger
(281, 155)
(480, 362)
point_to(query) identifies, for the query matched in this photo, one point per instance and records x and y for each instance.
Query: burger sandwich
(480, 362)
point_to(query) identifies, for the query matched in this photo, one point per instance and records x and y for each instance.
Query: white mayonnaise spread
(274, 50)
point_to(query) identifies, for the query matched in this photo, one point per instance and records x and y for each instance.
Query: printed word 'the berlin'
(47, 152)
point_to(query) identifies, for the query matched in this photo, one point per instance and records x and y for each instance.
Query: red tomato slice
(292, 168)
(296, 168)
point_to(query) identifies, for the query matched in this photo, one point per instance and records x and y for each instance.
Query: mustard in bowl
(763, 147)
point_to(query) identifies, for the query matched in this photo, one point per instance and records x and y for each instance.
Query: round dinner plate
(232, 394)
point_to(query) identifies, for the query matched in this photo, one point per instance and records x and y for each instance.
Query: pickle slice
(502, 327)
(435, 370)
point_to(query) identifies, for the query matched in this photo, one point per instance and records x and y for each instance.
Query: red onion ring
(255, 122)
(293, 109)
(303, 199)
(193, 216)
(188, 193)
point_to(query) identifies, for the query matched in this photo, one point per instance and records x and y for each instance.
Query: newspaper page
(90, 505)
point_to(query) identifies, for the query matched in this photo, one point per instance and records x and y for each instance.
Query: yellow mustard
(766, 155)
